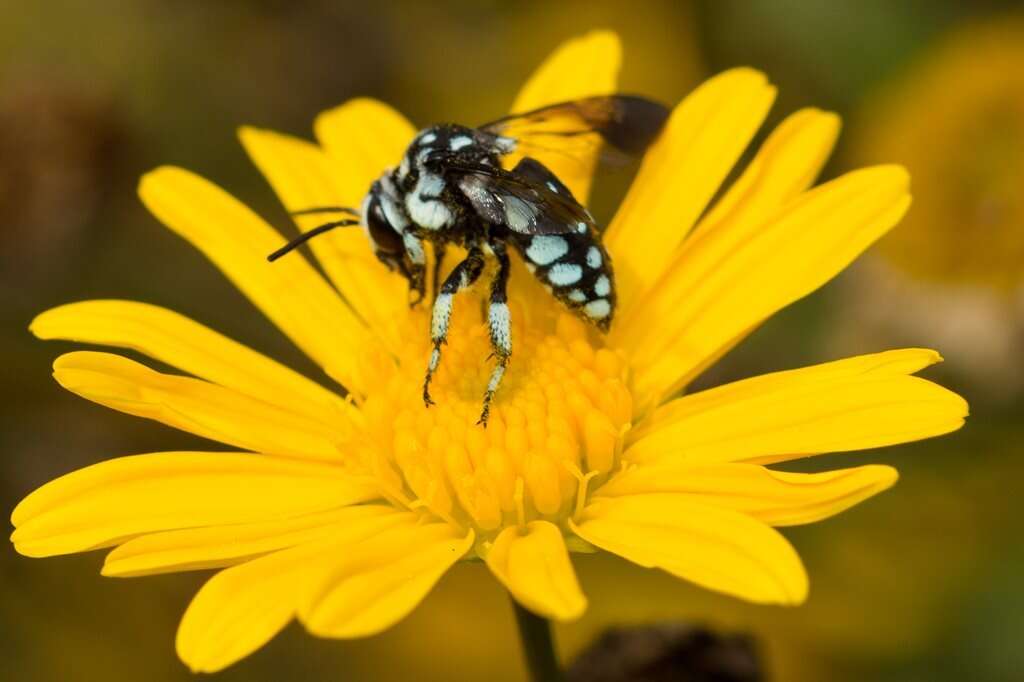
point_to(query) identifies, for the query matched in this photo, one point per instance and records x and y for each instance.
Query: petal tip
(741, 75)
(886, 476)
(602, 38)
(249, 135)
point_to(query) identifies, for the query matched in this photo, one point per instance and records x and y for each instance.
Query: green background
(922, 583)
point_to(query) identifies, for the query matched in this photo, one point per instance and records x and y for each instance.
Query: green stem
(538, 646)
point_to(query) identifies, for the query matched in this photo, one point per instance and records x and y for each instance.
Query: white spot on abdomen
(459, 142)
(564, 274)
(547, 249)
(598, 309)
(603, 286)
(577, 296)
(594, 259)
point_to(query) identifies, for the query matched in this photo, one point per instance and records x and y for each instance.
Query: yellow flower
(956, 119)
(345, 512)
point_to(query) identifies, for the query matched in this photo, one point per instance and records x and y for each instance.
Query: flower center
(556, 422)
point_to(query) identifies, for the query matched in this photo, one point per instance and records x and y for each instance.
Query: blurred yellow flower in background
(344, 512)
(956, 121)
(954, 271)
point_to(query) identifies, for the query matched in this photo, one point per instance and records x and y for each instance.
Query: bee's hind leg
(499, 324)
(461, 277)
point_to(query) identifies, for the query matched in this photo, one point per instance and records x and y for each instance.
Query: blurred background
(920, 584)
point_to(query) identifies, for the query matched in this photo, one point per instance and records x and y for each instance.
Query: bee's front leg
(417, 284)
(417, 270)
(460, 278)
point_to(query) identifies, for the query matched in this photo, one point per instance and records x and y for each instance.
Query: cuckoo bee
(450, 188)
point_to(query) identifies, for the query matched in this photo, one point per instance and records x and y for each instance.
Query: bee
(450, 188)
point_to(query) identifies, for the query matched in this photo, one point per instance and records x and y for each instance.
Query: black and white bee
(450, 188)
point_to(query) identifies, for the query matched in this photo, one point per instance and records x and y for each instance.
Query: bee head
(437, 145)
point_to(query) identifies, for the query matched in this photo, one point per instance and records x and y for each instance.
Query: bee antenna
(325, 209)
(306, 236)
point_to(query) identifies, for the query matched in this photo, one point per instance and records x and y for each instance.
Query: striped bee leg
(500, 327)
(439, 251)
(418, 271)
(461, 277)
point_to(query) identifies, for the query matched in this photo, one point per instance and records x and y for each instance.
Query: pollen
(555, 429)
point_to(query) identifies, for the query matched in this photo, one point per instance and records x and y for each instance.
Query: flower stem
(538, 646)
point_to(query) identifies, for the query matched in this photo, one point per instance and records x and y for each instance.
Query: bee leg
(499, 324)
(439, 251)
(461, 277)
(418, 269)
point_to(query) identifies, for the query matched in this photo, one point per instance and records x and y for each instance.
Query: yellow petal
(290, 292)
(241, 608)
(304, 176)
(198, 407)
(106, 503)
(787, 163)
(535, 568)
(853, 404)
(193, 549)
(702, 140)
(366, 137)
(721, 287)
(777, 498)
(174, 339)
(581, 67)
(719, 549)
(381, 580)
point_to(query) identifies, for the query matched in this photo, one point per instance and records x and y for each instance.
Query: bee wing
(626, 122)
(529, 199)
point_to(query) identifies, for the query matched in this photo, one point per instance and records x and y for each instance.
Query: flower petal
(304, 176)
(581, 67)
(198, 407)
(366, 137)
(719, 549)
(723, 287)
(106, 503)
(382, 579)
(787, 163)
(290, 292)
(193, 549)
(853, 404)
(684, 168)
(238, 610)
(176, 340)
(777, 498)
(535, 568)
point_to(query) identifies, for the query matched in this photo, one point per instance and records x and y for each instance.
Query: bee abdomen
(577, 271)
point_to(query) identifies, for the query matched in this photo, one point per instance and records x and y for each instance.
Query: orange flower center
(556, 422)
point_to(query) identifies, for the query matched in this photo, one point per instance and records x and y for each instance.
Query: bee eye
(385, 238)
